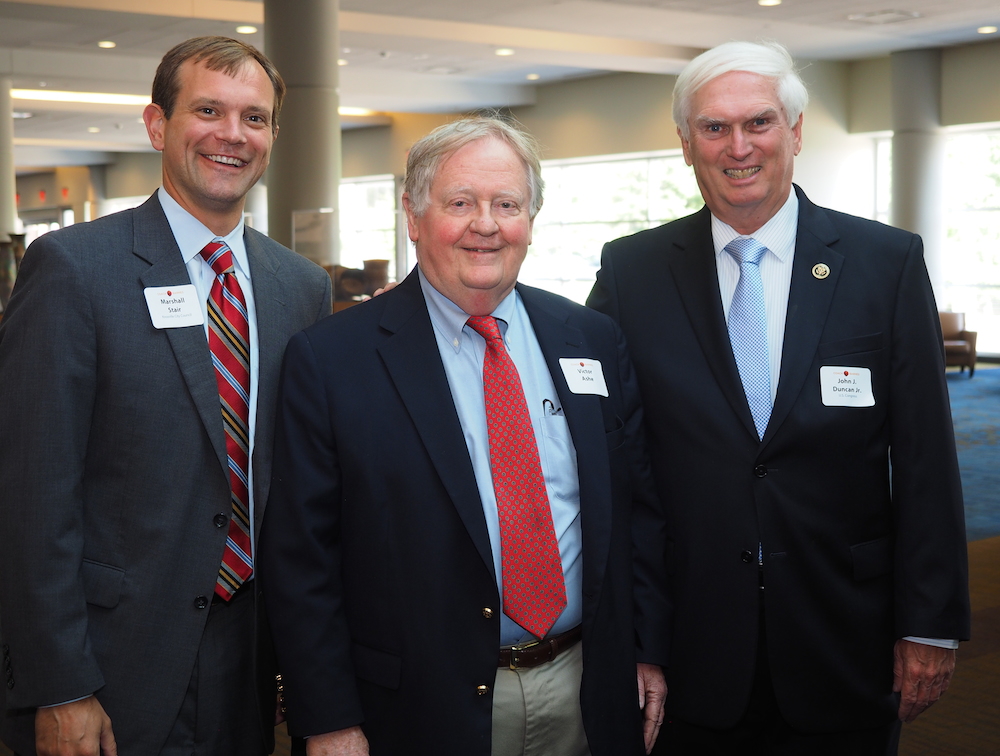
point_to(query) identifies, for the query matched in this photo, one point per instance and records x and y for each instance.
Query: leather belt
(534, 653)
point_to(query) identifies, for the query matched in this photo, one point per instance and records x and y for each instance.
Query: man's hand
(81, 728)
(349, 742)
(921, 674)
(652, 696)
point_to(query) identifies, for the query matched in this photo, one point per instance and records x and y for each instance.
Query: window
(592, 201)
(368, 221)
(972, 245)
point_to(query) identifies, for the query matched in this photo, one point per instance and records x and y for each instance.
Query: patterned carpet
(975, 407)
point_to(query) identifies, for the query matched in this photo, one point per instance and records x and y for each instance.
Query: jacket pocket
(854, 345)
(376, 667)
(872, 559)
(102, 583)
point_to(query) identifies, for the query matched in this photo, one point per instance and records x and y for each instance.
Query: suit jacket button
(220, 520)
(482, 690)
(760, 471)
(487, 612)
(746, 556)
(200, 602)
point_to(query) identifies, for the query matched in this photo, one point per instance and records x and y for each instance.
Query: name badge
(846, 386)
(174, 306)
(584, 376)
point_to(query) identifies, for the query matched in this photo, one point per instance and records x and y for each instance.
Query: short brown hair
(218, 54)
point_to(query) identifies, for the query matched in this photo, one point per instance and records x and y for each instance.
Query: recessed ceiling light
(766, 3)
(987, 30)
(246, 29)
(20, 115)
(102, 98)
(93, 129)
(345, 110)
(883, 17)
(443, 70)
(503, 51)
(533, 77)
(341, 62)
(107, 44)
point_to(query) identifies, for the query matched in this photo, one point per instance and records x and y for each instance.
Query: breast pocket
(872, 342)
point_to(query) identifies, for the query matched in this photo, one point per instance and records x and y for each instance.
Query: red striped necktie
(229, 342)
(534, 590)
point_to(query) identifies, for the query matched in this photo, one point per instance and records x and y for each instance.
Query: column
(8, 187)
(918, 155)
(301, 38)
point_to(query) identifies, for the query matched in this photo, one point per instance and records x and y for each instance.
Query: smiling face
(475, 232)
(217, 142)
(742, 148)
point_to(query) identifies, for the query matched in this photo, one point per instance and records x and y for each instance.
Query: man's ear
(155, 120)
(686, 146)
(411, 218)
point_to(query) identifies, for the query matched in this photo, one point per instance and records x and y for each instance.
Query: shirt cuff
(939, 642)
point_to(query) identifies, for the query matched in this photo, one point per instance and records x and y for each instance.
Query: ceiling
(427, 55)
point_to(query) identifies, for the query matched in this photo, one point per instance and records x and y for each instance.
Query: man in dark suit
(819, 591)
(452, 512)
(135, 474)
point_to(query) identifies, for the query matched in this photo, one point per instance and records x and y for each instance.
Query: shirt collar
(192, 235)
(778, 234)
(449, 319)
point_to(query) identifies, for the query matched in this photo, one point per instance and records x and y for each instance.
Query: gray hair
(426, 155)
(768, 59)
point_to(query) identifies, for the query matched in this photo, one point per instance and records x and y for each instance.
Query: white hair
(768, 59)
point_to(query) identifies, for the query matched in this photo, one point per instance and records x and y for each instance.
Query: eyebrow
(213, 103)
(765, 113)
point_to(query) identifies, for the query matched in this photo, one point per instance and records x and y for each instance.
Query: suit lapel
(269, 305)
(414, 364)
(809, 300)
(154, 243)
(693, 266)
(557, 339)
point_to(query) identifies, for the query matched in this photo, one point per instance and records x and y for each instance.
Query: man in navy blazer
(380, 554)
(116, 505)
(819, 590)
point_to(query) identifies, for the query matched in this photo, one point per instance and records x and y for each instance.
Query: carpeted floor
(975, 407)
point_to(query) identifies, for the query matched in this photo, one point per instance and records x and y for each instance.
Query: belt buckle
(517, 647)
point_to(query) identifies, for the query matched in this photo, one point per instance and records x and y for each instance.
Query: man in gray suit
(135, 451)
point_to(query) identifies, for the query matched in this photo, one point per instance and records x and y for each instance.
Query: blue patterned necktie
(748, 330)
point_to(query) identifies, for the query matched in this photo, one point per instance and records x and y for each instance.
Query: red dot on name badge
(582, 365)
(170, 294)
(846, 373)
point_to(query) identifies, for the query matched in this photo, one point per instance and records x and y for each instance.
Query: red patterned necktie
(534, 592)
(229, 342)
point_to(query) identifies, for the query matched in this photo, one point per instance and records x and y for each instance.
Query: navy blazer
(854, 558)
(376, 560)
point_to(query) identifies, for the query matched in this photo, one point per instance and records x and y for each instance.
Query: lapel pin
(821, 271)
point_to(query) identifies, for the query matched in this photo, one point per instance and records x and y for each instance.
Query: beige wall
(133, 174)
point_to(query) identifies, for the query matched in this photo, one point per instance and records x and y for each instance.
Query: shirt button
(482, 690)
(200, 602)
(220, 520)
(487, 612)
(760, 471)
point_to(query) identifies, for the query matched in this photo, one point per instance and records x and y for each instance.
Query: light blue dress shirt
(462, 352)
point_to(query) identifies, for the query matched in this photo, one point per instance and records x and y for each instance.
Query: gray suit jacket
(113, 459)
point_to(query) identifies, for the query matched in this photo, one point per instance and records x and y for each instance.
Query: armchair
(959, 344)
